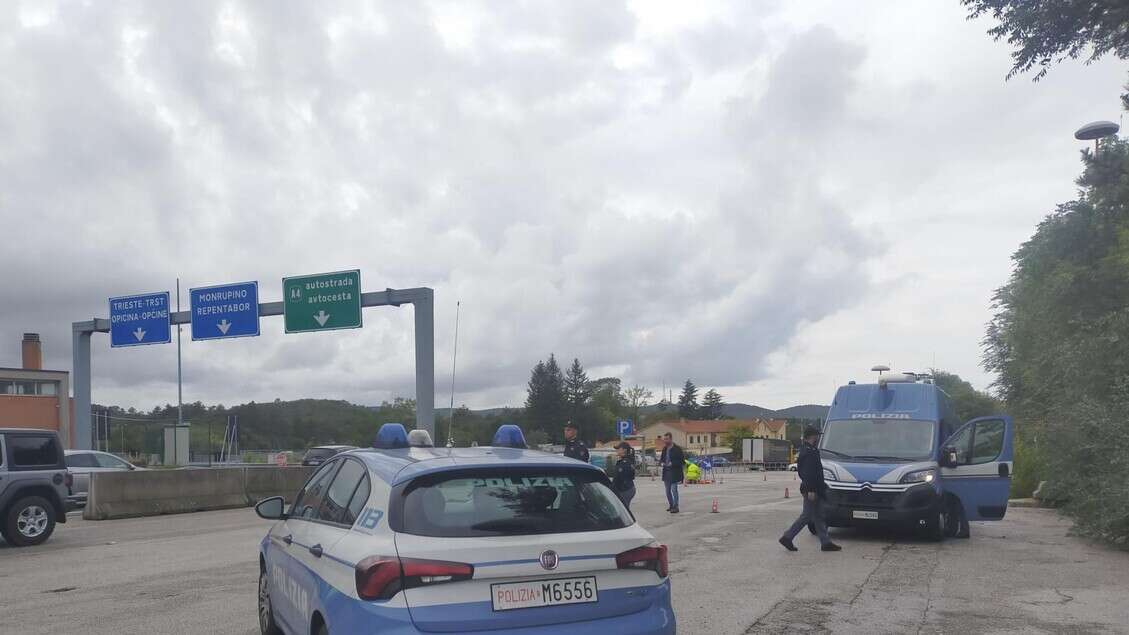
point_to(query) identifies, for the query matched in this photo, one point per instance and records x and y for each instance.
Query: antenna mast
(454, 358)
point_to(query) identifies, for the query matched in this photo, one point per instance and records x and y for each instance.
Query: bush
(1088, 466)
(1030, 465)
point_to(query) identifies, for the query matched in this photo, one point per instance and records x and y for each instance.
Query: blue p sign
(624, 428)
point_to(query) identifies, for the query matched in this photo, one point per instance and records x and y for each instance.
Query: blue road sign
(224, 311)
(625, 428)
(136, 320)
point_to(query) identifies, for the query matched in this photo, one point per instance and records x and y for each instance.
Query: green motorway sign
(322, 301)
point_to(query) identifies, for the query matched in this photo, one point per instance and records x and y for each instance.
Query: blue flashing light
(391, 436)
(509, 436)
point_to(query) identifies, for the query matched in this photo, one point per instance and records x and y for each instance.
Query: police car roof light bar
(391, 436)
(420, 439)
(509, 436)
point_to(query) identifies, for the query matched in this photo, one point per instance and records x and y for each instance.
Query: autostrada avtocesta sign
(313, 302)
(322, 301)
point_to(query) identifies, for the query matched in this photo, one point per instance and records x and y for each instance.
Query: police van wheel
(953, 519)
(267, 625)
(935, 524)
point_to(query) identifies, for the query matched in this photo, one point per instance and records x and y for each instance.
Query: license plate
(523, 595)
(864, 515)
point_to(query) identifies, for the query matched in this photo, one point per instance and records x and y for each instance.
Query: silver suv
(34, 484)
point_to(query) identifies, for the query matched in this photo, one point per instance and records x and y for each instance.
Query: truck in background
(769, 454)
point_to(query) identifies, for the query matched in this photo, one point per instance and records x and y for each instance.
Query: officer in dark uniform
(574, 447)
(812, 486)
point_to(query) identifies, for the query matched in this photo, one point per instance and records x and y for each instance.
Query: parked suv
(34, 484)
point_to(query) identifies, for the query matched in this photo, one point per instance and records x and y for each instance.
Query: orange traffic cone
(714, 509)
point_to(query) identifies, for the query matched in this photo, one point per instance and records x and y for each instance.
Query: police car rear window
(506, 502)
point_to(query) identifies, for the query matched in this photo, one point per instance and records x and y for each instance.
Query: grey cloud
(545, 188)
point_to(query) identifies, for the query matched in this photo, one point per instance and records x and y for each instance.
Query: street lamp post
(1096, 130)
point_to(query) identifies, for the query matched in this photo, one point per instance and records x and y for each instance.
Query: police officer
(574, 447)
(812, 487)
(623, 482)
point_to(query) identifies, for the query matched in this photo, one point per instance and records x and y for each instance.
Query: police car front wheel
(267, 625)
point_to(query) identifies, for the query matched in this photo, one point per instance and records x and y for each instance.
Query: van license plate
(523, 595)
(864, 515)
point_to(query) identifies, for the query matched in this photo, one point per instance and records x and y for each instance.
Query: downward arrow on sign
(223, 326)
(139, 334)
(322, 317)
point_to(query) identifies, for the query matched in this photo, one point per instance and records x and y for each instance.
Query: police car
(409, 538)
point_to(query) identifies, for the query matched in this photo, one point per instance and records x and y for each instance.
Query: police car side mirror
(271, 508)
(949, 457)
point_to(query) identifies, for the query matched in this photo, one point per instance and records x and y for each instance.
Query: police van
(408, 538)
(894, 453)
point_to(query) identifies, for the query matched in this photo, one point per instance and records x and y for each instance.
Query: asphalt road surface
(196, 573)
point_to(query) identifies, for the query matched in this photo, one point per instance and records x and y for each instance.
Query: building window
(11, 387)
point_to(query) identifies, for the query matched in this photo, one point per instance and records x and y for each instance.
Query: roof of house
(722, 425)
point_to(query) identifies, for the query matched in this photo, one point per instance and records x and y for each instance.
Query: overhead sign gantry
(316, 302)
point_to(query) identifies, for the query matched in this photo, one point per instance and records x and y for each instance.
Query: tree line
(1059, 337)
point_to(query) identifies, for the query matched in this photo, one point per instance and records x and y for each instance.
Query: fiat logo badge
(550, 560)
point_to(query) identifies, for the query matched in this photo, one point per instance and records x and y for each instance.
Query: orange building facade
(31, 397)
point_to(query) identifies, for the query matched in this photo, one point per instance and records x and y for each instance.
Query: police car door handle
(288, 539)
(316, 550)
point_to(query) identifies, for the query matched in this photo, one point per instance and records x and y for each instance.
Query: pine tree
(544, 401)
(688, 401)
(712, 405)
(577, 390)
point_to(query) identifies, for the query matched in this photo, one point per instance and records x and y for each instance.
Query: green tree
(1047, 32)
(545, 406)
(712, 405)
(968, 402)
(1059, 344)
(637, 397)
(576, 388)
(732, 438)
(688, 401)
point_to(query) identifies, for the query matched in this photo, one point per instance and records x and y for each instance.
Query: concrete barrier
(154, 492)
(264, 482)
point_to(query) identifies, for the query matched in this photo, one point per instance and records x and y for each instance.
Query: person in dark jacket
(812, 487)
(624, 480)
(672, 460)
(574, 447)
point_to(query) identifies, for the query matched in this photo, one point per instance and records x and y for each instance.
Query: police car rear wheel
(267, 625)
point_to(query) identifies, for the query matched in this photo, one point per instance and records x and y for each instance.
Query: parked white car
(82, 463)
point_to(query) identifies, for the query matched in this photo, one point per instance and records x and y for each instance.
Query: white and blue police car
(408, 538)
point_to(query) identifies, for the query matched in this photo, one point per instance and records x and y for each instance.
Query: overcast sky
(764, 197)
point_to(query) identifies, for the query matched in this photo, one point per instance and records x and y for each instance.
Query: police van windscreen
(880, 439)
(506, 502)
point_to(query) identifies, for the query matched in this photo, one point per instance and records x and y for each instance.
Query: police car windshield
(506, 501)
(880, 439)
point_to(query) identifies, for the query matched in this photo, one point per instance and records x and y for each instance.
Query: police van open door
(976, 466)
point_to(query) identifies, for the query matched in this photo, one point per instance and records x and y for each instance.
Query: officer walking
(812, 486)
(672, 459)
(574, 447)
